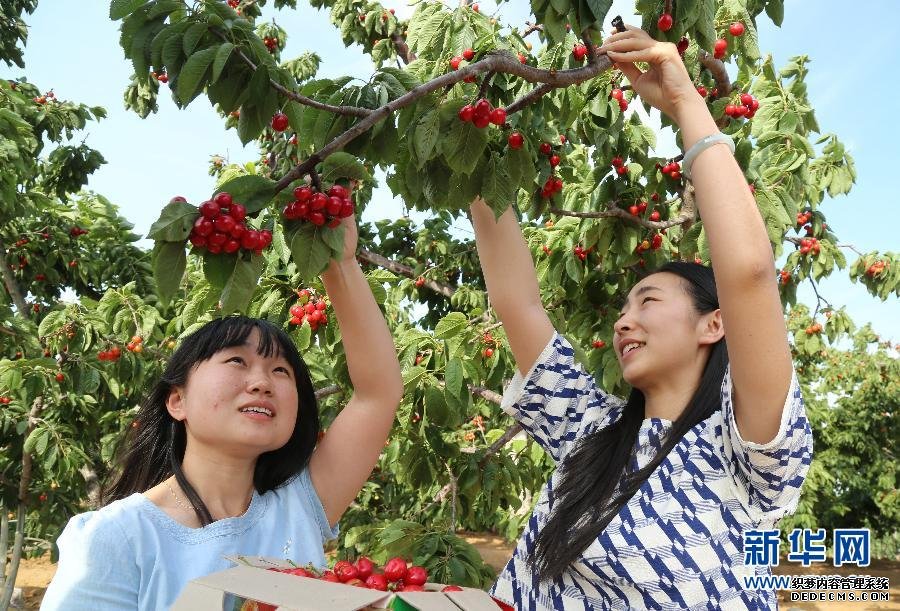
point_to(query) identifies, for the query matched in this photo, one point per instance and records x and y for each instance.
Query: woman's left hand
(666, 85)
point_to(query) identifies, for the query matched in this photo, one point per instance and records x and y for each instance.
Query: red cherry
(736, 28)
(454, 62)
(412, 588)
(224, 223)
(346, 209)
(177, 198)
(665, 22)
(554, 161)
(209, 209)
(451, 589)
(702, 91)
(481, 121)
(746, 99)
(654, 216)
(302, 194)
(280, 122)
(318, 201)
(468, 54)
(623, 105)
(198, 241)
(395, 569)
(621, 170)
(416, 575)
(317, 218)
(545, 148)
(522, 58)
(250, 240)
(616, 94)
(498, 116)
(466, 113)
(719, 48)
(483, 108)
(488, 353)
(634, 210)
(617, 161)
(683, 45)
(599, 343)
(223, 199)
(377, 581)
(60, 377)
(338, 191)
(238, 212)
(345, 571)
(516, 140)
(475, 7)
(333, 207)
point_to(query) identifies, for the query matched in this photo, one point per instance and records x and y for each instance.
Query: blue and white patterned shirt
(677, 544)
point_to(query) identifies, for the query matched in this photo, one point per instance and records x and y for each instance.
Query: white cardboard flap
(290, 592)
(471, 599)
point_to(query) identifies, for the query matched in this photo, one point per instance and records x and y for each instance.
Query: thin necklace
(191, 509)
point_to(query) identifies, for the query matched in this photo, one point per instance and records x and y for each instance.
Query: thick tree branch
(327, 391)
(498, 61)
(495, 447)
(9, 282)
(403, 49)
(404, 270)
(717, 68)
(484, 393)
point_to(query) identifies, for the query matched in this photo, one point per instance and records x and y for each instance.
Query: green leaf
(334, 238)
(218, 268)
(498, 188)
(450, 325)
(599, 8)
(193, 36)
(122, 8)
(169, 263)
(192, 76)
(309, 251)
(174, 223)
(435, 406)
(255, 192)
(463, 146)
(454, 376)
(425, 136)
(342, 165)
(240, 286)
(222, 56)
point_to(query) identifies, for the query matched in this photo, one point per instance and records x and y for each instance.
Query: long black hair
(153, 450)
(594, 484)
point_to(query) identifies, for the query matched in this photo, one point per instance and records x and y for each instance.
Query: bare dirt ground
(35, 574)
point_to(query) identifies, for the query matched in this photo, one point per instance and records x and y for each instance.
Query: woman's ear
(175, 403)
(711, 327)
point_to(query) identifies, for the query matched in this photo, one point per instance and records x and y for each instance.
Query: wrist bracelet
(700, 146)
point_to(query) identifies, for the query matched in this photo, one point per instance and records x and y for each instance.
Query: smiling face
(238, 401)
(660, 333)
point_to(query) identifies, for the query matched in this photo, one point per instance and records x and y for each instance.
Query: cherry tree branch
(404, 270)
(501, 441)
(9, 282)
(497, 61)
(354, 111)
(687, 214)
(326, 391)
(716, 67)
(403, 48)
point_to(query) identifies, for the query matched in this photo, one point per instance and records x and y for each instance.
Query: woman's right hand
(666, 85)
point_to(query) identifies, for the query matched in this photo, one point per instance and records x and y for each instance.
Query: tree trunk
(10, 584)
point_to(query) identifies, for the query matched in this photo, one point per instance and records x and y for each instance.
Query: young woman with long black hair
(224, 460)
(650, 497)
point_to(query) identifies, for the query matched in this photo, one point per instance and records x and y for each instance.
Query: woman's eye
(236, 359)
(283, 370)
(646, 299)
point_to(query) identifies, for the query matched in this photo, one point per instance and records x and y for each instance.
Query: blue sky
(73, 48)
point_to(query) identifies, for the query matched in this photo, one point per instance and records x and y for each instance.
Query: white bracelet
(700, 146)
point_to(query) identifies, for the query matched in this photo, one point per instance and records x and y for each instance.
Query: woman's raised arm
(511, 283)
(752, 314)
(343, 460)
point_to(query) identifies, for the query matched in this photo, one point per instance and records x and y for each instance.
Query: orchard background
(99, 284)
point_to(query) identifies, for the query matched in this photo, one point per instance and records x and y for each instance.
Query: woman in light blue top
(223, 457)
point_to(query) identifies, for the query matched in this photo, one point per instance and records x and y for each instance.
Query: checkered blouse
(677, 544)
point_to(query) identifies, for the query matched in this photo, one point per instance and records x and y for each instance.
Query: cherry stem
(314, 178)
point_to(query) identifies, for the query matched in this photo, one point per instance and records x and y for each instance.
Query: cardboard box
(236, 588)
